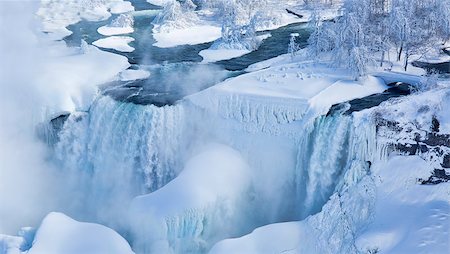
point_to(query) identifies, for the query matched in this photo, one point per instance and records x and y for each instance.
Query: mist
(27, 181)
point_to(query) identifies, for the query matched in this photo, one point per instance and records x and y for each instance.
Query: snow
(192, 35)
(276, 238)
(128, 75)
(61, 234)
(409, 218)
(207, 28)
(109, 30)
(328, 232)
(119, 43)
(296, 88)
(209, 186)
(346, 90)
(434, 55)
(385, 210)
(205, 178)
(74, 77)
(56, 15)
(11, 244)
(119, 7)
(159, 2)
(216, 53)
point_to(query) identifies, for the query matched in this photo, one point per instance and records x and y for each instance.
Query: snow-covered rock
(61, 234)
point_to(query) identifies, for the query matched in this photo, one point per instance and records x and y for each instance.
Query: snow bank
(214, 55)
(56, 15)
(186, 213)
(75, 77)
(409, 217)
(345, 90)
(119, 43)
(109, 30)
(192, 35)
(61, 234)
(128, 75)
(276, 238)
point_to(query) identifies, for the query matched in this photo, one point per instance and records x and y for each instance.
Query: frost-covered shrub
(293, 47)
(176, 15)
(92, 4)
(368, 30)
(235, 36)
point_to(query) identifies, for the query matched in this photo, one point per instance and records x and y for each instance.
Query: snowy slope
(61, 234)
(74, 77)
(408, 217)
(183, 215)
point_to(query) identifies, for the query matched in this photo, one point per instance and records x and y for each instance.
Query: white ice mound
(119, 43)
(60, 234)
(188, 212)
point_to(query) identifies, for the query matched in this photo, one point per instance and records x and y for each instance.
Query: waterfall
(335, 152)
(119, 150)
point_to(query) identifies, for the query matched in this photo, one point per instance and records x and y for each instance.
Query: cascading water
(335, 152)
(118, 150)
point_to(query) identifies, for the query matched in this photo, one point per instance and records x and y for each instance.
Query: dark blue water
(395, 90)
(175, 72)
(271, 47)
(440, 68)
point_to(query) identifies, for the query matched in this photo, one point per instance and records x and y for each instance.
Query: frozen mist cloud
(24, 181)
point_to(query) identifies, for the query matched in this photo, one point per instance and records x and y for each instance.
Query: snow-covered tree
(416, 26)
(368, 30)
(293, 47)
(176, 14)
(346, 41)
(123, 20)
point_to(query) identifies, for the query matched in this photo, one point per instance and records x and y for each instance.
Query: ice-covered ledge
(285, 92)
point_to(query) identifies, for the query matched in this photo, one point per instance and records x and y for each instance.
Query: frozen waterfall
(119, 150)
